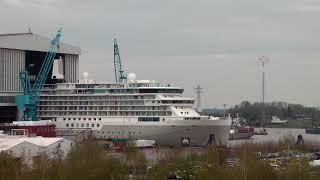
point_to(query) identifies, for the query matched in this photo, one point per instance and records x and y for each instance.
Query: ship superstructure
(138, 109)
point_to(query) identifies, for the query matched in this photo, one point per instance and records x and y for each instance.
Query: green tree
(10, 167)
(88, 160)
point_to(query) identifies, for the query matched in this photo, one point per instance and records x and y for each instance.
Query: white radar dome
(132, 76)
(85, 75)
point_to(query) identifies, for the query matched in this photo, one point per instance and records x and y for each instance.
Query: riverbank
(293, 123)
(283, 159)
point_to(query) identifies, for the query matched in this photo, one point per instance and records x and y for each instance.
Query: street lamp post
(224, 109)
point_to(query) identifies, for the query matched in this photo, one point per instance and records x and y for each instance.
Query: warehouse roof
(33, 42)
(7, 142)
(43, 141)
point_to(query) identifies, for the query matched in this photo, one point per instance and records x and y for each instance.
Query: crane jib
(27, 103)
(119, 74)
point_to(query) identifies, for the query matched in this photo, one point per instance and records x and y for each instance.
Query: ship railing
(83, 132)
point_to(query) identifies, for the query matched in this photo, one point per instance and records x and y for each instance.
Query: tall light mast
(263, 60)
(120, 75)
(198, 91)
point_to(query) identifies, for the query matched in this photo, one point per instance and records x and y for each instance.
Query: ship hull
(173, 133)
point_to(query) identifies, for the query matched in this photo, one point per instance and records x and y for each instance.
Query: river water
(276, 134)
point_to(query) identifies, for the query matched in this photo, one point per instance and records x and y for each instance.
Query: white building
(29, 148)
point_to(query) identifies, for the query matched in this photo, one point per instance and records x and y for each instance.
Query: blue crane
(27, 103)
(120, 75)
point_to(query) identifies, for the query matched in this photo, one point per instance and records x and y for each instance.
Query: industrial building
(30, 148)
(26, 51)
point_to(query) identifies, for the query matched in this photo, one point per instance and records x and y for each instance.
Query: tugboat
(239, 131)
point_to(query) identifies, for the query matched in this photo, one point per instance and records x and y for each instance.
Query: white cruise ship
(135, 110)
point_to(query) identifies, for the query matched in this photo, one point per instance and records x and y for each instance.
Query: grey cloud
(213, 43)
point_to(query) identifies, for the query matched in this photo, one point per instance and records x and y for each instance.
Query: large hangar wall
(11, 63)
(14, 61)
(71, 68)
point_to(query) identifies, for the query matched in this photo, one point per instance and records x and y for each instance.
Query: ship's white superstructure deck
(137, 110)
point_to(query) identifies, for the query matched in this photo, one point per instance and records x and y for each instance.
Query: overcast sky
(213, 43)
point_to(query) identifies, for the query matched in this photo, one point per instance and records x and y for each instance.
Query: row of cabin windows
(192, 118)
(82, 125)
(82, 119)
(116, 132)
(149, 119)
(175, 91)
(109, 132)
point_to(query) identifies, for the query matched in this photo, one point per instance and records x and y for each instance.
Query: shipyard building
(26, 51)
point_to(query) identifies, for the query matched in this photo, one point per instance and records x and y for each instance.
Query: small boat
(314, 130)
(239, 130)
(144, 143)
(261, 132)
(241, 133)
(276, 120)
